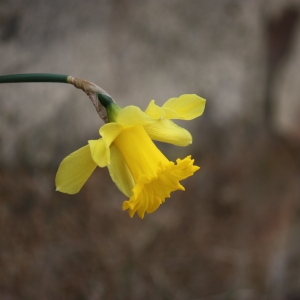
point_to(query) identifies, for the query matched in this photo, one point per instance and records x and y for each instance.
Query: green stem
(35, 77)
(88, 87)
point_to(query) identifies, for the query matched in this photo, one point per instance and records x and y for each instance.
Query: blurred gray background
(234, 233)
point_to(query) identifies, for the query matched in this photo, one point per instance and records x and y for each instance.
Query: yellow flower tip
(68, 189)
(181, 187)
(131, 209)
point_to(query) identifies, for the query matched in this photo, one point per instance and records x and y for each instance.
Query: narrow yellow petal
(155, 111)
(110, 131)
(120, 173)
(168, 132)
(74, 171)
(185, 107)
(132, 115)
(99, 152)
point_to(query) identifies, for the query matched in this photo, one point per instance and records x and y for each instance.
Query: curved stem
(98, 96)
(35, 77)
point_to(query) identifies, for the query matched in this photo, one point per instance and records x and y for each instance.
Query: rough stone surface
(234, 233)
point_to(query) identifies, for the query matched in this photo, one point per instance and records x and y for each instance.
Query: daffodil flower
(135, 164)
(138, 168)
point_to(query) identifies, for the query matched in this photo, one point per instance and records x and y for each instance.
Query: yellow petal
(110, 131)
(120, 173)
(186, 107)
(155, 111)
(168, 132)
(99, 152)
(74, 171)
(132, 115)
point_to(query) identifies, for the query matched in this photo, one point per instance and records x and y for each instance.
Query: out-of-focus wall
(232, 234)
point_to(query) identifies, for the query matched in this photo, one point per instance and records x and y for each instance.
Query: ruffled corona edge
(150, 193)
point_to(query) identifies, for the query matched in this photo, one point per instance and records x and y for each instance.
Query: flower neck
(111, 107)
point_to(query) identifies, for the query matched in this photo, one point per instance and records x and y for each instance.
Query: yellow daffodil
(138, 168)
